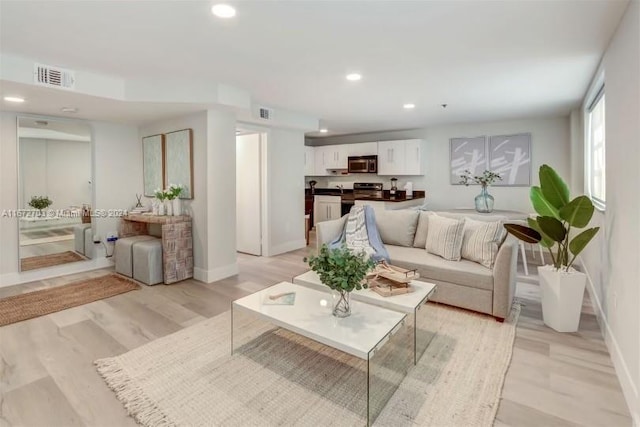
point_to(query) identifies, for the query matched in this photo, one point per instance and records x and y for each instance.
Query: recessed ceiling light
(70, 110)
(324, 130)
(223, 11)
(13, 99)
(354, 77)
(409, 106)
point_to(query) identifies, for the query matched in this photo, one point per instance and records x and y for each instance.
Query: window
(595, 150)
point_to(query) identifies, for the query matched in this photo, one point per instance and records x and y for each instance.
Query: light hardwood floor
(47, 377)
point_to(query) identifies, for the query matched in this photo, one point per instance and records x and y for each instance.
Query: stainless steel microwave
(363, 164)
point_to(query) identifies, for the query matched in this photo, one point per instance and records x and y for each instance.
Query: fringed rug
(42, 261)
(38, 303)
(280, 378)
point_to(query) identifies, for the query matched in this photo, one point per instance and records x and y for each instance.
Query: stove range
(367, 189)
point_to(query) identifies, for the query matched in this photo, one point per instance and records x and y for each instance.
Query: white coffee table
(362, 334)
(408, 303)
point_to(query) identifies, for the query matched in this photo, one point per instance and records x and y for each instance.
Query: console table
(177, 242)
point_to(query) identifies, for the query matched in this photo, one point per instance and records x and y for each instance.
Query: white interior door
(248, 198)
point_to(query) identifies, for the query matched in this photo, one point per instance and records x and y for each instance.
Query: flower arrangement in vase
(161, 196)
(342, 270)
(173, 195)
(484, 200)
(40, 202)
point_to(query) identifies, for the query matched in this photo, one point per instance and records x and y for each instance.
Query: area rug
(280, 378)
(38, 303)
(50, 260)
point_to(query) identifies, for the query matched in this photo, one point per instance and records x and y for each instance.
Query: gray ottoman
(123, 253)
(88, 242)
(147, 262)
(78, 237)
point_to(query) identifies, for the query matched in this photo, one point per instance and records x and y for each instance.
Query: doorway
(250, 147)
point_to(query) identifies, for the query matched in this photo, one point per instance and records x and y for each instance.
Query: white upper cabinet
(309, 161)
(321, 160)
(404, 157)
(362, 149)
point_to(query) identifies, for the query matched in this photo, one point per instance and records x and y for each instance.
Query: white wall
(55, 168)
(286, 190)
(550, 141)
(612, 261)
(197, 206)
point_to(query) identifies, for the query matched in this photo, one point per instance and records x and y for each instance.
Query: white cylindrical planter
(160, 208)
(177, 206)
(169, 208)
(562, 294)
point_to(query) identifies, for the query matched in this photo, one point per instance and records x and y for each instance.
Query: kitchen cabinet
(362, 149)
(321, 161)
(337, 156)
(403, 157)
(326, 208)
(309, 161)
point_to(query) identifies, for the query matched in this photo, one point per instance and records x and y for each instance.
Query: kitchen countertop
(348, 197)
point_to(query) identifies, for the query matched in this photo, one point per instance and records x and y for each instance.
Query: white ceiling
(488, 60)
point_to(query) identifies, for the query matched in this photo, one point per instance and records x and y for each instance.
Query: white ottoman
(147, 262)
(78, 237)
(123, 253)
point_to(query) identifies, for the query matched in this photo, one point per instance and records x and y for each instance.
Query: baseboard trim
(629, 389)
(17, 278)
(287, 247)
(209, 276)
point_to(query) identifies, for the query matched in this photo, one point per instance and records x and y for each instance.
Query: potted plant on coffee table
(557, 228)
(342, 270)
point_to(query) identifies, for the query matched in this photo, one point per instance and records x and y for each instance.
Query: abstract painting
(467, 154)
(510, 156)
(153, 163)
(179, 161)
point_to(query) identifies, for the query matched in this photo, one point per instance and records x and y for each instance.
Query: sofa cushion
(481, 241)
(420, 239)
(444, 237)
(397, 227)
(433, 267)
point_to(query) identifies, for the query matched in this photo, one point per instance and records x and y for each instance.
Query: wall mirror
(153, 163)
(55, 192)
(179, 161)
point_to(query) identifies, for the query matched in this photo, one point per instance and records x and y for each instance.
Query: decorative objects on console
(483, 201)
(159, 208)
(343, 271)
(562, 286)
(173, 194)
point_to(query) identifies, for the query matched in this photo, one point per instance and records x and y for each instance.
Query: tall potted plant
(556, 228)
(342, 270)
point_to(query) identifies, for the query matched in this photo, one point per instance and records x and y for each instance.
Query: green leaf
(578, 212)
(546, 241)
(552, 227)
(541, 205)
(553, 187)
(526, 234)
(579, 242)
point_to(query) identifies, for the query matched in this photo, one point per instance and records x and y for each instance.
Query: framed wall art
(179, 161)
(153, 163)
(467, 154)
(510, 156)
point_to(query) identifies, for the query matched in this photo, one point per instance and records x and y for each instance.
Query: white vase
(177, 206)
(562, 294)
(154, 207)
(160, 208)
(169, 208)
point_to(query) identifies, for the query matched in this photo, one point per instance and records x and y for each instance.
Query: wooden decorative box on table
(388, 280)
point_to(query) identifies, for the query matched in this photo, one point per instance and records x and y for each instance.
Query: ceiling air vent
(265, 113)
(53, 76)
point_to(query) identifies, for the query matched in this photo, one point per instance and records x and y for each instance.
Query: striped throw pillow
(481, 241)
(444, 237)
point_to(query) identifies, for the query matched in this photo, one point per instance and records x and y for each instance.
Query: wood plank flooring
(47, 377)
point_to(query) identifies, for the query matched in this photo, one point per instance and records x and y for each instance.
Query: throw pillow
(420, 241)
(397, 227)
(444, 237)
(481, 241)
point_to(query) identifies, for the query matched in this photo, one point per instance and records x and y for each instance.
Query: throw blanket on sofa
(361, 234)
